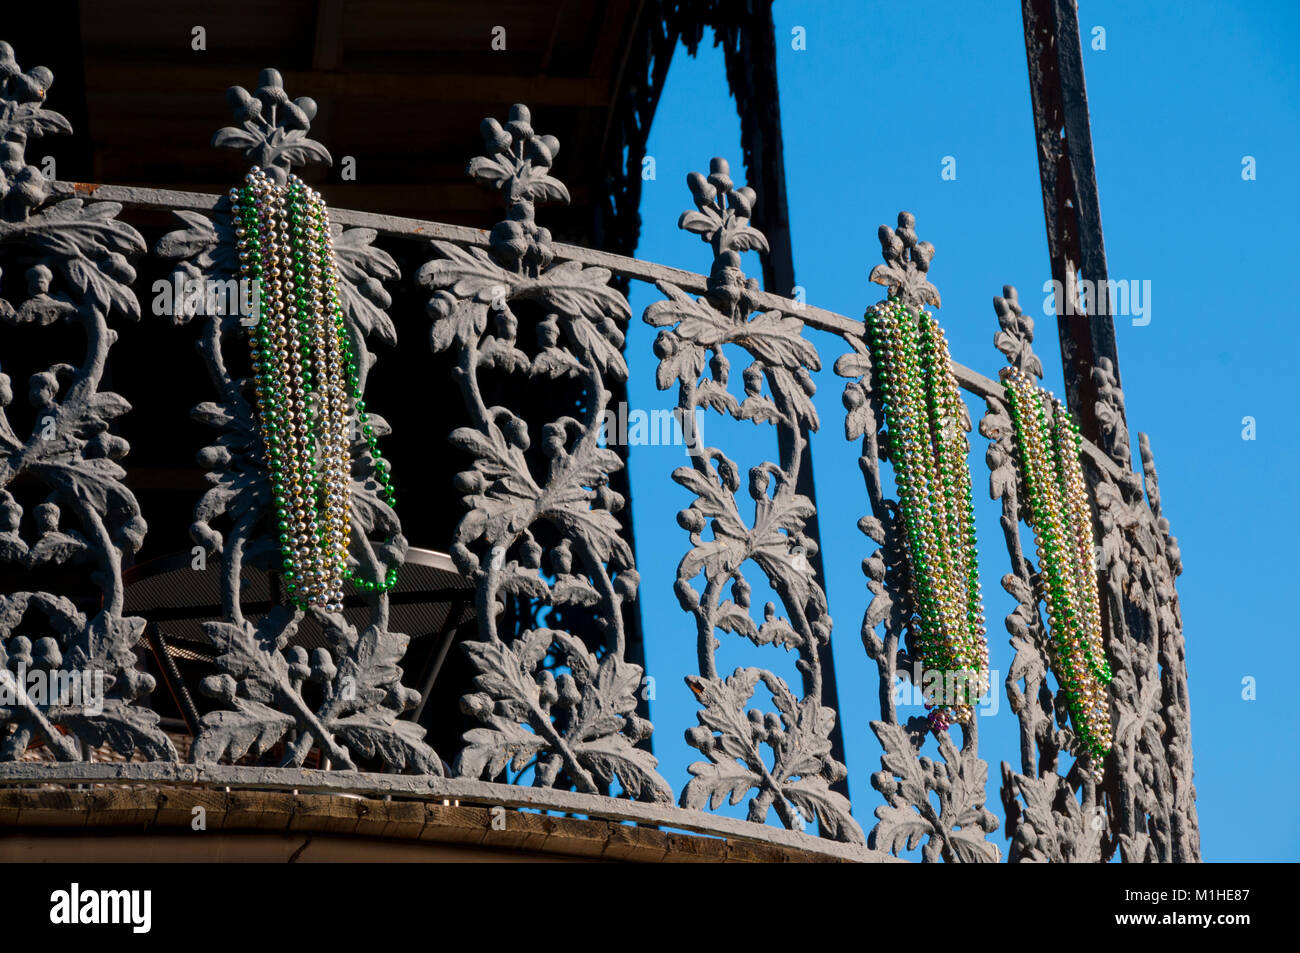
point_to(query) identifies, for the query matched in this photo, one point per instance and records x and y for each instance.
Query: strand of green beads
(1049, 507)
(942, 424)
(948, 610)
(1021, 404)
(938, 503)
(353, 385)
(879, 319)
(316, 371)
(298, 582)
(284, 424)
(285, 342)
(256, 217)
(1068, 573)
(901, 415)
(953, 449)
(1062, 560)
(1094, 710)
(960, 465)
(1070, 479)
(272, 410)
(1069, 446)
(335, 475)
(312, 583)
(339, 486)
(304, 585)
(894, 340)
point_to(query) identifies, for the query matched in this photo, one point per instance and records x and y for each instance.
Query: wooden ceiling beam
(398, 87)
(327, 53)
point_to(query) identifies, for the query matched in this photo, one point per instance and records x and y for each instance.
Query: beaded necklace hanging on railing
(1058, 512)
(307, 385)
(927, 448)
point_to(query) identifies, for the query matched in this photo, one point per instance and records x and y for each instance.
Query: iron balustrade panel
(516, 308)
(77, 658)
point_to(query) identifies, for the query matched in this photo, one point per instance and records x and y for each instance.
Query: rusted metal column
(1072, 211)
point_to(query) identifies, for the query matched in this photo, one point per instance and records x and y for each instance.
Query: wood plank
(328, 51)
(135, 78)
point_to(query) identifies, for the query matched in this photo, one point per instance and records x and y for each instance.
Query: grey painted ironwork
(911, 782)
(798, 734)
(580, 731)
(77, 260)
(747, 35)
(1151, 793)
(263, 678)
(1146, 804)
(1050, 816)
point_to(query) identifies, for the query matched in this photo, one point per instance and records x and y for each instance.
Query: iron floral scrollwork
(273, 128)
(1183, 827)
(1110, 413)
(78, 685)
(580, 728)
(1049, 817)
(354, 685)
(802, 768)
(911, 783)
(1149, 780)
(906, 270)
(1146, 806)
(1016, 337)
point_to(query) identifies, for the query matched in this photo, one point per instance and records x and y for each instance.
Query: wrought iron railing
(513, 305)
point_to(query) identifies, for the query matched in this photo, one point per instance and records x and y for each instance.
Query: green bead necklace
(928, 449)
(307, 385)
(1057, 498)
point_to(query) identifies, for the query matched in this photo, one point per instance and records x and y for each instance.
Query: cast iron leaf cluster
(907, 264)
(263, 673)
(76, 257)
(778, 389)
(272, 130)
(579, 729)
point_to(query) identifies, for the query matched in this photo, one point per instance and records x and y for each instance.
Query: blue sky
(1182, 92)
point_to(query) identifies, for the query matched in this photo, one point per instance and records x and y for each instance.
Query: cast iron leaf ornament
(582, 722)
(1110, 412)
(345, 698)
(77, 270)
(778, 389)
(580, 729)
(1048, 817)
(273, 128)
(1146, 808)
(697, 331)
(797, 785)
(1016, 337)
(907, 264)
(1150, 787)
(722, 211)
(517, 165)
(912, 783)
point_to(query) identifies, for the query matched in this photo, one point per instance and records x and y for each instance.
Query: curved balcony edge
(282, 791)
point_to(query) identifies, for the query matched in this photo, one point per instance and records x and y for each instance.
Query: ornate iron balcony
(543, 525)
